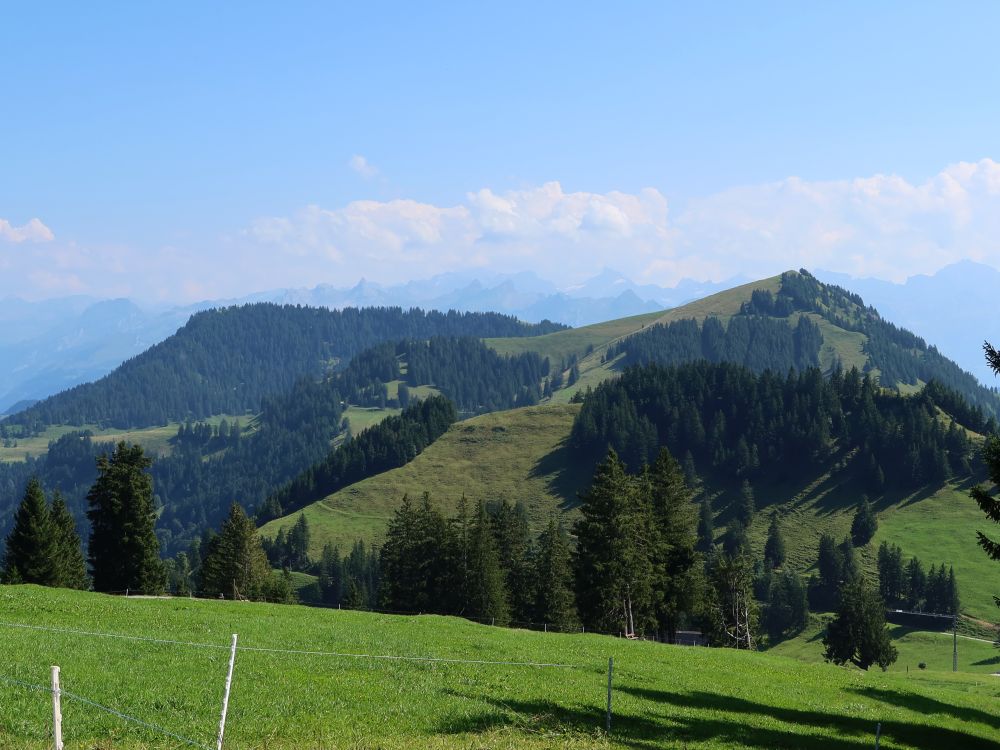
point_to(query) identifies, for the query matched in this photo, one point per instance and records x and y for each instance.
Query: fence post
(878, 734)
(225, 695)
(611, 669)
(56, 710)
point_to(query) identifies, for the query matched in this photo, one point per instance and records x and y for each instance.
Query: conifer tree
(124, 551)
(706, 527)
(615, 574)
(987, 503)
(774, 547)
(865, 524)
(675, 525)
(891, 581)
(858, 633)
(554, 600)
(70, 566)
(236, 566)
(745, 505)
(486, 595)
(32, 548)
(513, 540)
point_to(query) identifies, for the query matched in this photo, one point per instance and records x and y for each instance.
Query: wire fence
(110, 711)
(174, 643)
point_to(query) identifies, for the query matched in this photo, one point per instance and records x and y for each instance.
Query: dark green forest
(225, 361)
(760, 343)
(474, 377)
(730, 419)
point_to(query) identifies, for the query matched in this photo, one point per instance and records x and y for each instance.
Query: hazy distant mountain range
(955, 309)
(48, 346)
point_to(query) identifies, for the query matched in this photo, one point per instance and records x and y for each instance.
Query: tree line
(123, 553)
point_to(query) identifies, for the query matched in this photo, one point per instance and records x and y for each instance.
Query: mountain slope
(226, 361)
(518, 456)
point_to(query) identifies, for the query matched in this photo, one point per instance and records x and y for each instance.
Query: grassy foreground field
(664, 696)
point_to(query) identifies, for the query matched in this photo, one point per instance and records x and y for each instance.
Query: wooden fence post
(56, 710)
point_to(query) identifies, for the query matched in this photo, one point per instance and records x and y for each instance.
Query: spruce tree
(745, 505)
(486, 595)
(615, 573)
(124, 551)
(555, 603)
(71, 568)
(864, 525)
(32, 547)
(987, 503)
(774, 547)
(513, 540)
(236, 566)
(858, 633)
(675, 559)
(706, 527)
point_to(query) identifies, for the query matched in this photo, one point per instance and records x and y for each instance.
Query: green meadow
(152, 439)
(663, 696)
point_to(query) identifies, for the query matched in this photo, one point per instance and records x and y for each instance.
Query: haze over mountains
(46, 347)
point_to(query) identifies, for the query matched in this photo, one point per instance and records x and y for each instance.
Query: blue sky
(172, 151)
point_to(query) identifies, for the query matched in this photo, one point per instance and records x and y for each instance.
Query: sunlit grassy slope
(522, 455)
(664, 696)
(933, 649)
(518, 455)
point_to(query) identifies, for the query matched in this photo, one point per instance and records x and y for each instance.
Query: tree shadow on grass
(925, 705)
(655, 729)
(837, 730)
(566, 478)
(987, 662)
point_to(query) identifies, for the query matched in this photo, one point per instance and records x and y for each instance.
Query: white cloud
(33, 231)
(543, 229)
(882, 226)
(360, 165)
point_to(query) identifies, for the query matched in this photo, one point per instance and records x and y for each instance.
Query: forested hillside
(724, 418)
(290, 438)
(225, 361)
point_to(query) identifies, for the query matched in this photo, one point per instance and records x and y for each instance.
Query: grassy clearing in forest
(664, 696)
(152, 439)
